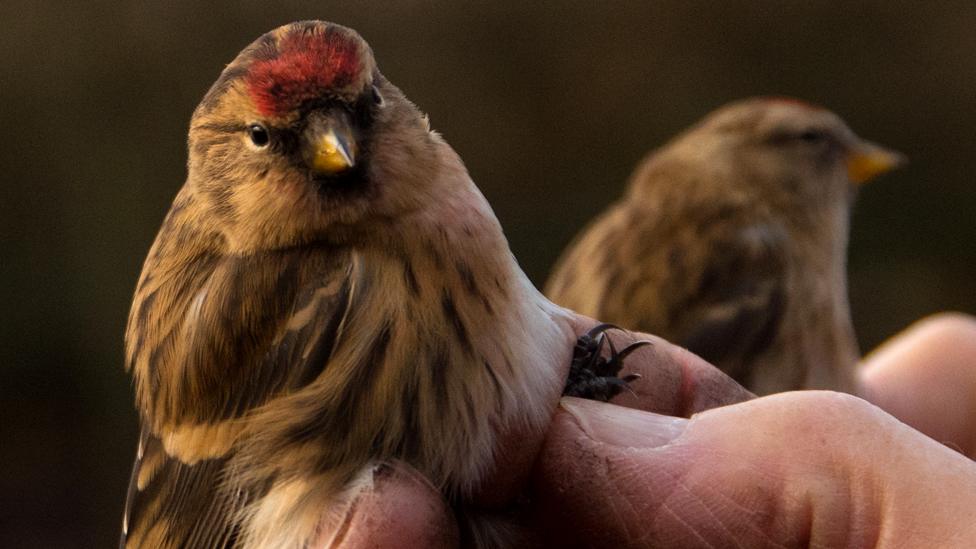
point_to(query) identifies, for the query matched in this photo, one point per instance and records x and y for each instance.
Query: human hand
(795, 469)
(393, 505)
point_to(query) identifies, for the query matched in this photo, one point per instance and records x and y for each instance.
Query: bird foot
(593, 376)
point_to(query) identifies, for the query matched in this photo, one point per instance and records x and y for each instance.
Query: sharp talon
(596, 353)
(600, 328)
(593, 376)
(633, 347)
(616, 385)
(613, 349)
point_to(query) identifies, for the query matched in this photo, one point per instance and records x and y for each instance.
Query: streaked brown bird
(731, 241)
(329, 290)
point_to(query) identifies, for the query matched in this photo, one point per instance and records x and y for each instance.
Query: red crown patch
(786, 100)
(307, 66)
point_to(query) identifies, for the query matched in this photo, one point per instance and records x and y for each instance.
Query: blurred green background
(550, 105)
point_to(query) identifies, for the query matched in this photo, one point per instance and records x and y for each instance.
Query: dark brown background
(550, 106)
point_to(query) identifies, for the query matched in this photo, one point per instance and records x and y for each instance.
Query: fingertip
(946, 332)
(675, 381)
(925, 376)
(401, 509)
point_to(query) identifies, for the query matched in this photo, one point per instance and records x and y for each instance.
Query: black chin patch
(351, 181)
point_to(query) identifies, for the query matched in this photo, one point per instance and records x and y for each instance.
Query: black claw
(593, 376)
(596, 352)
(599, 329)
(616, 362)
(633, 347)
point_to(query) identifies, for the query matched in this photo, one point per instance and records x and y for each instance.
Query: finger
(395, 506)
(793, 470)
(674, 381)
(926, 377)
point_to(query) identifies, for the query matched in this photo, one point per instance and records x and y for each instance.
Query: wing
(268, 324)
(728, 304)
(171, 503)
(672, 259)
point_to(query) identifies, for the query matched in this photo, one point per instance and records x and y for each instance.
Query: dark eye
(813, 136)
(377, 98)
(259, 135)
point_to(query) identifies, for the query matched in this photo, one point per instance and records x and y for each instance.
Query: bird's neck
(825, 328)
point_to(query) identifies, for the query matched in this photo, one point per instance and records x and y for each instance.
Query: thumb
(391, 505)
(795, 469)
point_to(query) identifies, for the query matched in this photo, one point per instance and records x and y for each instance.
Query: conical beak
(330, 147)
(867, 161)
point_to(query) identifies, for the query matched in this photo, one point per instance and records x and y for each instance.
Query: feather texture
(289, 330)
(732, 241)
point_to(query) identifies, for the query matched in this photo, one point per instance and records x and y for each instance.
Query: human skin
(790, 470)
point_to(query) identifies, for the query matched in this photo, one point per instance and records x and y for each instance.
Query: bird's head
(286, 146)
(792, 149)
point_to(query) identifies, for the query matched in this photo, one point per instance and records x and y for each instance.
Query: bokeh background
(550, 104)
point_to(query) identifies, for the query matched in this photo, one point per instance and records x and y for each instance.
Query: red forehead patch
(306, 66)
(792, 101)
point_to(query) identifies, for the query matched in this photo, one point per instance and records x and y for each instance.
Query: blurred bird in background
(329, 289)
(731, 241)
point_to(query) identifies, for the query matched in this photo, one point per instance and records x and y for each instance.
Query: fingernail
(623, 427)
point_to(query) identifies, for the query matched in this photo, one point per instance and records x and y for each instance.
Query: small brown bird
(732, 241)
(328, 290)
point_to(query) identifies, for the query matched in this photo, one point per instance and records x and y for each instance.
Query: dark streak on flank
(435, 257)
(472, 414)
(494, 380)
(500, 287)
(467, 278)
(450, 312)
(508, 363)
(410, 278)
(409, 443)
(487, 304)
(437, 369)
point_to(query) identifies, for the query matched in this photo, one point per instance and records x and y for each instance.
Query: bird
(731, 240)
(328, 290)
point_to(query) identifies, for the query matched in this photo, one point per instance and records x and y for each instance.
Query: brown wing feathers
(178, 497)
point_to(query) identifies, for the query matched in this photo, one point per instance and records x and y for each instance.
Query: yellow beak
(333, 153)
(868, 161)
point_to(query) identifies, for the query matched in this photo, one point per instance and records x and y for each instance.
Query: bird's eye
(259, 135)
(377, 98)
(812, 136)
